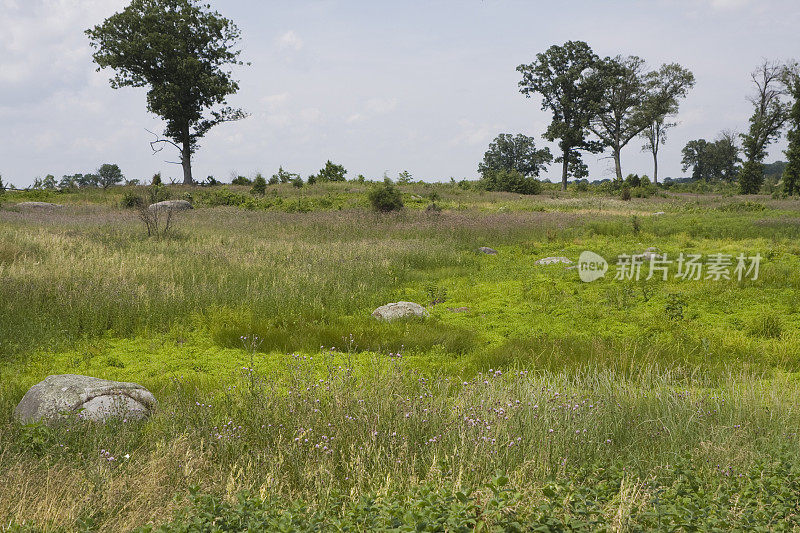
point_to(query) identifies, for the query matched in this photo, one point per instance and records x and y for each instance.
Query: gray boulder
(659, 213)
(553, 261)
(175, 205)
(38, 205)
(84, 397)
(487, 250)
(397, 310)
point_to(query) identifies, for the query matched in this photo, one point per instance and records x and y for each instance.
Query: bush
(331, 172)
(633, 180)
(297, 182)
(626, 193)
(259, 186)
(156, 179)
(241, 180)
(385, 197)
(582, 186)
(509, 181)
(131, 200)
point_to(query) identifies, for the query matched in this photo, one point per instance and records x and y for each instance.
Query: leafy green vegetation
(616, 404)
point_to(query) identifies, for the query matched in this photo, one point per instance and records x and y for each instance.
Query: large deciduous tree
(566, 78)
(622, 114)
(109, 174)
(636, 100)
(791, 174)
(666, 87)
(181, 51)
(515, 152)
(765, 125)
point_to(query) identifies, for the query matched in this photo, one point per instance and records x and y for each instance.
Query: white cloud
(380, 106)
(290, 40)
(311, 114)
(274, 102)
(728, 4)
(471, 134)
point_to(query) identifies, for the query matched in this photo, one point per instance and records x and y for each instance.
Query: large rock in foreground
(397, 310)
(88, 398)
(174, 205)
(38, 205)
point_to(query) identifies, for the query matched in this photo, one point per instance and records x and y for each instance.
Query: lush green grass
(681, 376)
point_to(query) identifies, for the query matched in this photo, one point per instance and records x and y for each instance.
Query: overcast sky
(376, 86)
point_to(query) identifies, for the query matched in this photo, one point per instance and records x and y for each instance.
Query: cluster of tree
(512, 163)
(182, 51)
(773, 82)
(602, 104)
(107, 175)
(713, 161)
(720, 160)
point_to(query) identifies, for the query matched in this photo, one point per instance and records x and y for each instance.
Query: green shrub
(385, 197)
(241, 180)
(259, 186)
(626, 193)
(131, 200)
(331, 172)
(156, 179)
(633, 180)
(582, 186)
(509, 181)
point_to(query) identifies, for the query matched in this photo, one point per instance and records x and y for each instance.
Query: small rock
(68, 395)
(396, 310)
(38, 205)
(176, 205)
(659, 213)
(553, 261)
(487, 250)
(459, 309)
(651, 254)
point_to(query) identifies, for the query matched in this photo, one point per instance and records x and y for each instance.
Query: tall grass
(347, 424)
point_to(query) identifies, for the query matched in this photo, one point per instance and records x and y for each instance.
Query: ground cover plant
(527, 399)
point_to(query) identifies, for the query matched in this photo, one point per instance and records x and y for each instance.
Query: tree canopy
(109, 174)
(768, 118)
(515, 152)
(712, 161)
(181, 51)
(566, 78)
(790, 78)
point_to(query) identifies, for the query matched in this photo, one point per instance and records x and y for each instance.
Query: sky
(379, 87)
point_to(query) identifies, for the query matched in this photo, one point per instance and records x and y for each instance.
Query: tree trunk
(655, 167)
(564, 169)
(186, 162)
(617, 164)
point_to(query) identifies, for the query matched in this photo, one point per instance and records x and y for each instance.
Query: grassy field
(528, 396)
